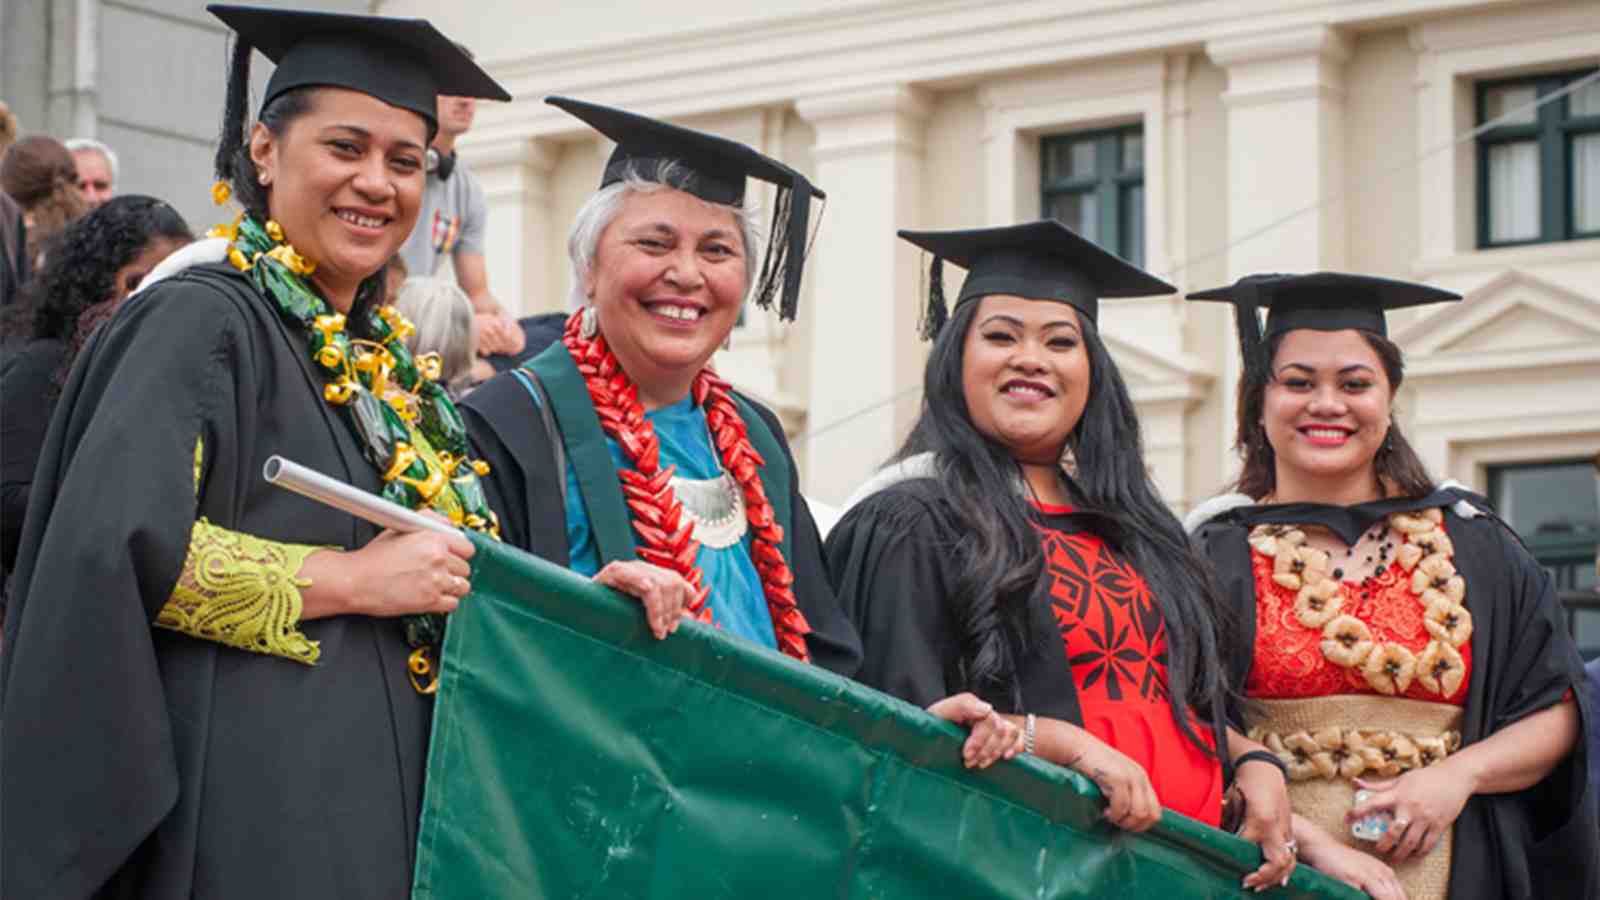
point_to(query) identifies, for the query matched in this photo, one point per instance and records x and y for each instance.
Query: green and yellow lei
(408, 427)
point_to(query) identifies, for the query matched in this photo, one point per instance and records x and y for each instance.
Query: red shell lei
(666, 535)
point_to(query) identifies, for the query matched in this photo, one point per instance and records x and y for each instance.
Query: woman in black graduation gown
(208, 690)
(617, 451)
(1018, 549)
(1394, 636)
(97, 262)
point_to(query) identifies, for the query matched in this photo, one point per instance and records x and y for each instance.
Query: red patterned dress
(1115, 641)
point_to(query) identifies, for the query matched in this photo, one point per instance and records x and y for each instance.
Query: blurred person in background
(452, 223)
(99, 260)
(394, 275)
(97, 170)
(14, 267)
(39, 173)
(446, 327)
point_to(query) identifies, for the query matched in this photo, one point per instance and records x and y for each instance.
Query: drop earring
(1069, 461)
(589, 323)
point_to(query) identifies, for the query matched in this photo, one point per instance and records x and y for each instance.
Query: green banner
(573, 755)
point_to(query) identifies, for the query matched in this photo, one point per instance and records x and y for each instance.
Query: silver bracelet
(1027, 733)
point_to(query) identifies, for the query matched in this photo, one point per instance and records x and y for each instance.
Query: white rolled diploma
(332, 492)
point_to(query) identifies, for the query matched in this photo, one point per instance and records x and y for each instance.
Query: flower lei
(388, 400)
(666, 535)
(1347, 641)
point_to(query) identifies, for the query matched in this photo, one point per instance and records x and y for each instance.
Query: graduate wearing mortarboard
(1016, 548)
(618, 451)
(1393, 634)
(213, 687)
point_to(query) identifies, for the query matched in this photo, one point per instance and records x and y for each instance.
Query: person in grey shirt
(451, 223)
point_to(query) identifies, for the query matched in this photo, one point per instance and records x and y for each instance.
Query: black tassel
(1247, 321)
(233, 110)
(772, 265)
(799, 241)
(934, 315)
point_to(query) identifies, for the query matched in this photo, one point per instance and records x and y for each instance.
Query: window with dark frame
(1539, 170)
(1554, 507)
(1093, 182)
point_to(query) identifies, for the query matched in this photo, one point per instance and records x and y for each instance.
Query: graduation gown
(1540, 842)
(27, 379)
(526, 487)
(137, 761)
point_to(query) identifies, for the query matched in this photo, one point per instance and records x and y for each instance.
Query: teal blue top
(738, 602)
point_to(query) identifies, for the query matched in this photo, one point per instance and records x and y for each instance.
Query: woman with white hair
(442, 315)
(617, 451)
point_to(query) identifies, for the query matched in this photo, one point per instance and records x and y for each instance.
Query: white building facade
(1204, 139)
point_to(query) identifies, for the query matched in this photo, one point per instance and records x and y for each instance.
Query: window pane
(1080, 212)
(1501, 100)
(1586, 182)
(1070, 159)
(1585, 101)
(1132, 247)
(1133, 151)
(1514, 192)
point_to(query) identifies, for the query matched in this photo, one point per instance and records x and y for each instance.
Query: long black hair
(80, 270)
(1000, 568)
(1396, 463)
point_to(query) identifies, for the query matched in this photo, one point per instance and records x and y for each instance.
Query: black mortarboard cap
(720, 167)
(1320, 301)
(405, 63)
(1043, 260)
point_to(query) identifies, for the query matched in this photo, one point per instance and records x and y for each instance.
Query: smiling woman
(618, 451)
(204, 675)
(1405, 655)
(1018, 550)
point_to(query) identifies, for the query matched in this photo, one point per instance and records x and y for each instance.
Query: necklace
(666, 533)
(1426, 555)
(715, 506)
(408, 428)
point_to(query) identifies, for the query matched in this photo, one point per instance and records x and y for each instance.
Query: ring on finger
(1292, 846)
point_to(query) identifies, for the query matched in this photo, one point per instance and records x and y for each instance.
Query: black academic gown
(891, 557)
(136, 761)
(1538, 843)
(526, 484)
(27, 397)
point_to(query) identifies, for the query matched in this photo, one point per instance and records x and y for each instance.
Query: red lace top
(1289, 663)
(1115, 643)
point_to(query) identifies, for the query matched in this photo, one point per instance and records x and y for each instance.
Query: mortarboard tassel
(797, 212)
(1247, 321)
(935, 314)
(772, 266)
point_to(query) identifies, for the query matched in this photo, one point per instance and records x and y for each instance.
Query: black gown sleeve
(1226, 547)
(111, 512)
(26, 394)
(1548, 834)
(887, 557)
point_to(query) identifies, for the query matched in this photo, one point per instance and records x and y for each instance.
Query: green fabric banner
(575, 756)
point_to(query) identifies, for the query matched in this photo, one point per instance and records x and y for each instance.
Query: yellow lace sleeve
(240, 590)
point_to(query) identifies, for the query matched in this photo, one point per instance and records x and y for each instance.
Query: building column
(74, 62)
(515, 175)
(1286, 168)
(865, 287)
